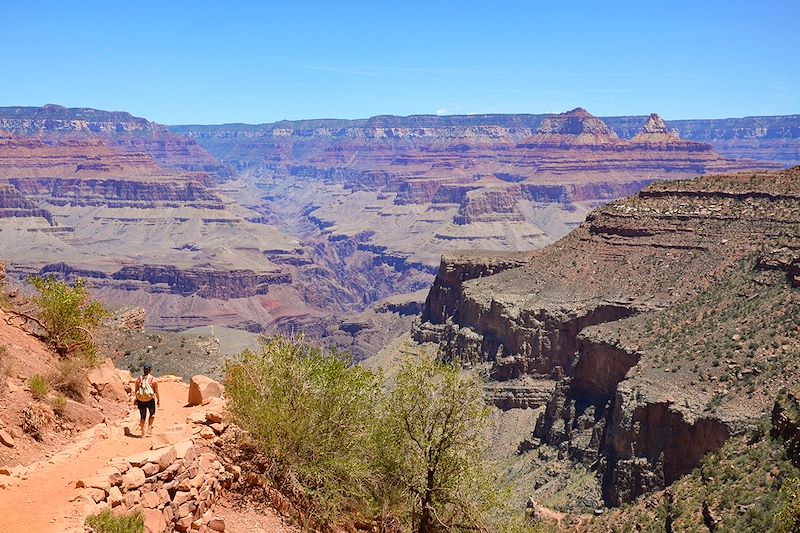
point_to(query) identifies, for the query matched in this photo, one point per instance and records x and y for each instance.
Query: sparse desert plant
(39, 386)
(37, 419)
(59, 404)
(108, 522)
(70, 378)
(68, 314)
(6, 365)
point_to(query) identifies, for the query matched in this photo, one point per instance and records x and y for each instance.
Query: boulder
(154, 521)
(202, 389)
(106, 382)
(151, 500)
(83, 416)
(170, 436)
(217, 524)
(133, 479)
(6, 438)
(163, 457)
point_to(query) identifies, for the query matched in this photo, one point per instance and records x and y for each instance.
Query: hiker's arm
(155, 389)
(135, 388)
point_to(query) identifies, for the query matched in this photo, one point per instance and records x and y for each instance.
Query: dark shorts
(146, 406)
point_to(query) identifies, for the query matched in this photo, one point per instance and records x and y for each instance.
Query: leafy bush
(39, 386)
(787, 520)
(313, 415)
(433, 441)
(339, 443)
(68, 314)
(108, 522)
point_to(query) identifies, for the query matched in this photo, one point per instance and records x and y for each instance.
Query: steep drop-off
(663, 321)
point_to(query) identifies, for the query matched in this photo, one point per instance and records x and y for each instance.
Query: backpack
(145, 387)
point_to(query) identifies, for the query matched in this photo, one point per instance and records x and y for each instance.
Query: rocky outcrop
(13, 204)
(595, 313)
(786, 423)
(775, 138)
(173, 487)
(205, 282)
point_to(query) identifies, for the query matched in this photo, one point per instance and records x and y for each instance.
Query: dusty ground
(40, 498)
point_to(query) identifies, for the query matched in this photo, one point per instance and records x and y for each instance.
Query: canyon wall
(661, 321)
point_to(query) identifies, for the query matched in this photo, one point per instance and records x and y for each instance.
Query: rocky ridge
(119, 129)
(644, 319)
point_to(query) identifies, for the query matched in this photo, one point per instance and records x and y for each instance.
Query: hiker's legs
(152, 408)
(142, 415)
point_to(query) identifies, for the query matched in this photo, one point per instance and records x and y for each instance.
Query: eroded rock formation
(655, 317)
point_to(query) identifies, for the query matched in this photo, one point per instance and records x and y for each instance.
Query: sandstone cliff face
(617, 311)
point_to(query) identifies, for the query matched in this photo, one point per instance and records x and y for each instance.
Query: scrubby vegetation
(108, 522)
(411, 455)
(37, 419)
(69, 378)
(68, 314)
(39, 386)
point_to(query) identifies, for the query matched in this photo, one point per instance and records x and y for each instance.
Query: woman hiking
(147, 398)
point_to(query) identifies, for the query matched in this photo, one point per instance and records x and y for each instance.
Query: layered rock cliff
(662, 320)
(119, 129)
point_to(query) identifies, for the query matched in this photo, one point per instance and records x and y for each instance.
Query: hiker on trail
(146, 398)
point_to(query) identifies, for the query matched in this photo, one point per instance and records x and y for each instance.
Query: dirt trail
(43, 501)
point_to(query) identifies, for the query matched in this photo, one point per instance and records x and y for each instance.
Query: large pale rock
(106, 381)
(151, 500)
(83, 416)
(163, 457)
(217, 524)
(202, 389)
(185, 450)
(170, 436)
(6, 438)
(133, 479)
(154, 521)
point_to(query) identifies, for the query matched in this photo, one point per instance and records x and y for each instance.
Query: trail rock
(154, 521)
(6, 439)
(202, 389)
(133, 478)
(106, 381)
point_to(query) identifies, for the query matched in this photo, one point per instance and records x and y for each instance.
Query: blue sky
(211, 62)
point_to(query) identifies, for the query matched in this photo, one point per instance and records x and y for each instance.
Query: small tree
(68, 314)
(434, 440)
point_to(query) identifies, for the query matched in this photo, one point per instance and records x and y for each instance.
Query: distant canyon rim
(331, 227)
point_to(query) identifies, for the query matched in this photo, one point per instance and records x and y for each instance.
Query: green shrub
(338, 443)
(313, 415)
(39, 386)
(59, 404)
(68, 314)
(107, 522)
